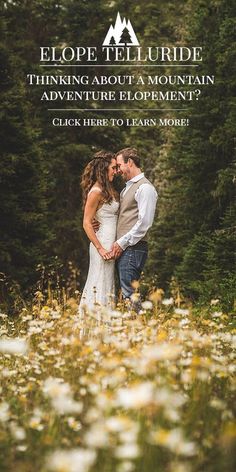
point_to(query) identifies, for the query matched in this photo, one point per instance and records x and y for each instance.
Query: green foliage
(192, 167)
(22, 200)
(194, 232)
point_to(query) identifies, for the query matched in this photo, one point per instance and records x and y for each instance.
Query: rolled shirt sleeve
(146, 197)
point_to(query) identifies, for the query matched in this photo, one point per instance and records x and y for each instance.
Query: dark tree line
(192, 239)
(195, 232)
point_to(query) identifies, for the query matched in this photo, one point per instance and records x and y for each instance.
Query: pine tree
(112, 41)
(125, 37)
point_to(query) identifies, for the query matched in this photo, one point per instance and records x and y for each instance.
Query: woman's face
(112, 170)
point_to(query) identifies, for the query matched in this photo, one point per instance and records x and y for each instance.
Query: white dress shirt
(146, 198)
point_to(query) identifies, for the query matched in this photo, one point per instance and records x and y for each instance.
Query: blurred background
(41, 235)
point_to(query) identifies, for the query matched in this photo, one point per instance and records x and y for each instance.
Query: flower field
(116, 391)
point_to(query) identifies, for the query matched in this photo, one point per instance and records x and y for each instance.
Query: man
(137, 208)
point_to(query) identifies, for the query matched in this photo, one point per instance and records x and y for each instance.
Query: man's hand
(116, 250)
(95, 225)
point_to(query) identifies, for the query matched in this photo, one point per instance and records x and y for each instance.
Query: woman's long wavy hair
(97, 171)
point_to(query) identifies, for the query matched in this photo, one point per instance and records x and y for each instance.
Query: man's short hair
(130, 153)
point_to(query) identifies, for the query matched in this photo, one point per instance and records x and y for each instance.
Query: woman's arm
(91, 206)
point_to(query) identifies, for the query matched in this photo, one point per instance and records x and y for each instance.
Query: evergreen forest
(192, 242)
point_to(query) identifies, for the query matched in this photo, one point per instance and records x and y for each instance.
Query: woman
(102, 202)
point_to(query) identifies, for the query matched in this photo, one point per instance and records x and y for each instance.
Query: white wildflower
(184, 322)
(147, 305)
(167, 301)
(97, 436)
(163, 351)
(73, 424)
(215, 301)
(14, 346)
(174, 441)
(217, 314)
(137, 396)
(64, 405)
(74, 460)
(126, 466)
(127, 451)
(21, 447)
(55, 387)
(35, 423)
(4, 412)
(17, 431)
(182, 311)
(119, 424)
(61, 396)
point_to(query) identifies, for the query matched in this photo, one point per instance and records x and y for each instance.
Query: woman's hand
(106, 255)
(110, 255)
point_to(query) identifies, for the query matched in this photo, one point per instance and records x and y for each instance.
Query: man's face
(123, 168)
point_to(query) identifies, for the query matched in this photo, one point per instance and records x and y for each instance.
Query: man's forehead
(119, 158)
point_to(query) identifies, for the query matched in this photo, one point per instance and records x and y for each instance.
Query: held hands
(106, 255)
(115, 252)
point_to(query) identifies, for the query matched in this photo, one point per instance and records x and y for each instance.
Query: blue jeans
(130, 265)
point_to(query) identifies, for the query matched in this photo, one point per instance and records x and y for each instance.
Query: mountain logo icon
(122, 34)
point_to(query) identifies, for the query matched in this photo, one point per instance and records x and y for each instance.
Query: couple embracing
(116, 225)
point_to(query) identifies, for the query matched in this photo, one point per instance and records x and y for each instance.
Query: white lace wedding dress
(99, 289)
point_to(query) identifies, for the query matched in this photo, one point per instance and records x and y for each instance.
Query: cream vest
(128, 215)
